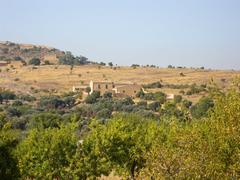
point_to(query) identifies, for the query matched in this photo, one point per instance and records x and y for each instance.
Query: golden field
(59, 78)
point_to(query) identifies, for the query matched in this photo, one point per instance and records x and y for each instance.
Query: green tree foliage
(7, 95)
(8, 162)
(56, 102)
(88, 90)
(123, 141)
(47, 154)
(44, 120)
(154, 106)
(1, 99)
(104, 113)
(207, 149)
(92, 98)
(35, 62)
(186, 103)
(153, 85)
(201, 108)
(107, 95)
(70, 59)
(177, 98)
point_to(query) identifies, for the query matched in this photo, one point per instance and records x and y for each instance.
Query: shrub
(34, 61)
(154, 106)
(187, 103)
(104, 113)
(153, 85)
(92, 98)
(177, 98)
(201, 108)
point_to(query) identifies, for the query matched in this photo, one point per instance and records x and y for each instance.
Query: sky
(191, 33)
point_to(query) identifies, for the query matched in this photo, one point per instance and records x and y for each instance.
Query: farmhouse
(117, 89)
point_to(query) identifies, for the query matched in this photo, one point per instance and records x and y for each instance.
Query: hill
(60, 78)
(10, 51)
(67, 71)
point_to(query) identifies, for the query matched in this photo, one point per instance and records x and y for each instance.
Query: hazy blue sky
(179, 32)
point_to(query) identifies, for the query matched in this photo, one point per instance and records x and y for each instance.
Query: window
(99, 87)
(123, 91)
(135, 92)
(113, 86)
(106, 86)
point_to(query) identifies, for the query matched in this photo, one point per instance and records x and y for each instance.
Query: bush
(44, 120)
(201, 108)
(7, 95)
(26, 97)
(92, 98)
(17, 103)
(154, 106)
(153, 85)
(34, 61)
(177, 98)
(187, 103)
(104, 113)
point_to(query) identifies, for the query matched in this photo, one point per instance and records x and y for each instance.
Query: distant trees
(134, 66)
(35, 62)
(56, 102)
(6, 95)
(153, 85)
(70, 59)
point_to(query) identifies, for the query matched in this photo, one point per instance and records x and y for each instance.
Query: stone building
(117, 89)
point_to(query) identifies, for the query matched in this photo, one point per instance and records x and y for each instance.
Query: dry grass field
(61, 79)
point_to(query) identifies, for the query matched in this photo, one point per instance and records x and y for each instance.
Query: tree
(8, 162)
(123, 142)
(7, 95)
(104, 113)
(206, 149)
(186, 103)
(177, 98)
(34, 61)
(92, 98)
(201, 108)
(1, 99)
(48, 153)
(88, 90)
(154, 105)
(102, 64)
(107, 95)
(110, 64)
(47, 62)
(44, 120)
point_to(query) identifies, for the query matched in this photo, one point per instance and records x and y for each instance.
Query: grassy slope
(60, 78)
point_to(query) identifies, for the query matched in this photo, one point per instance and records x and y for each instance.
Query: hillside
(10, 51)
(61, 78)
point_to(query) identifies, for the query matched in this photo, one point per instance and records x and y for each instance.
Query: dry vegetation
(60, 77)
